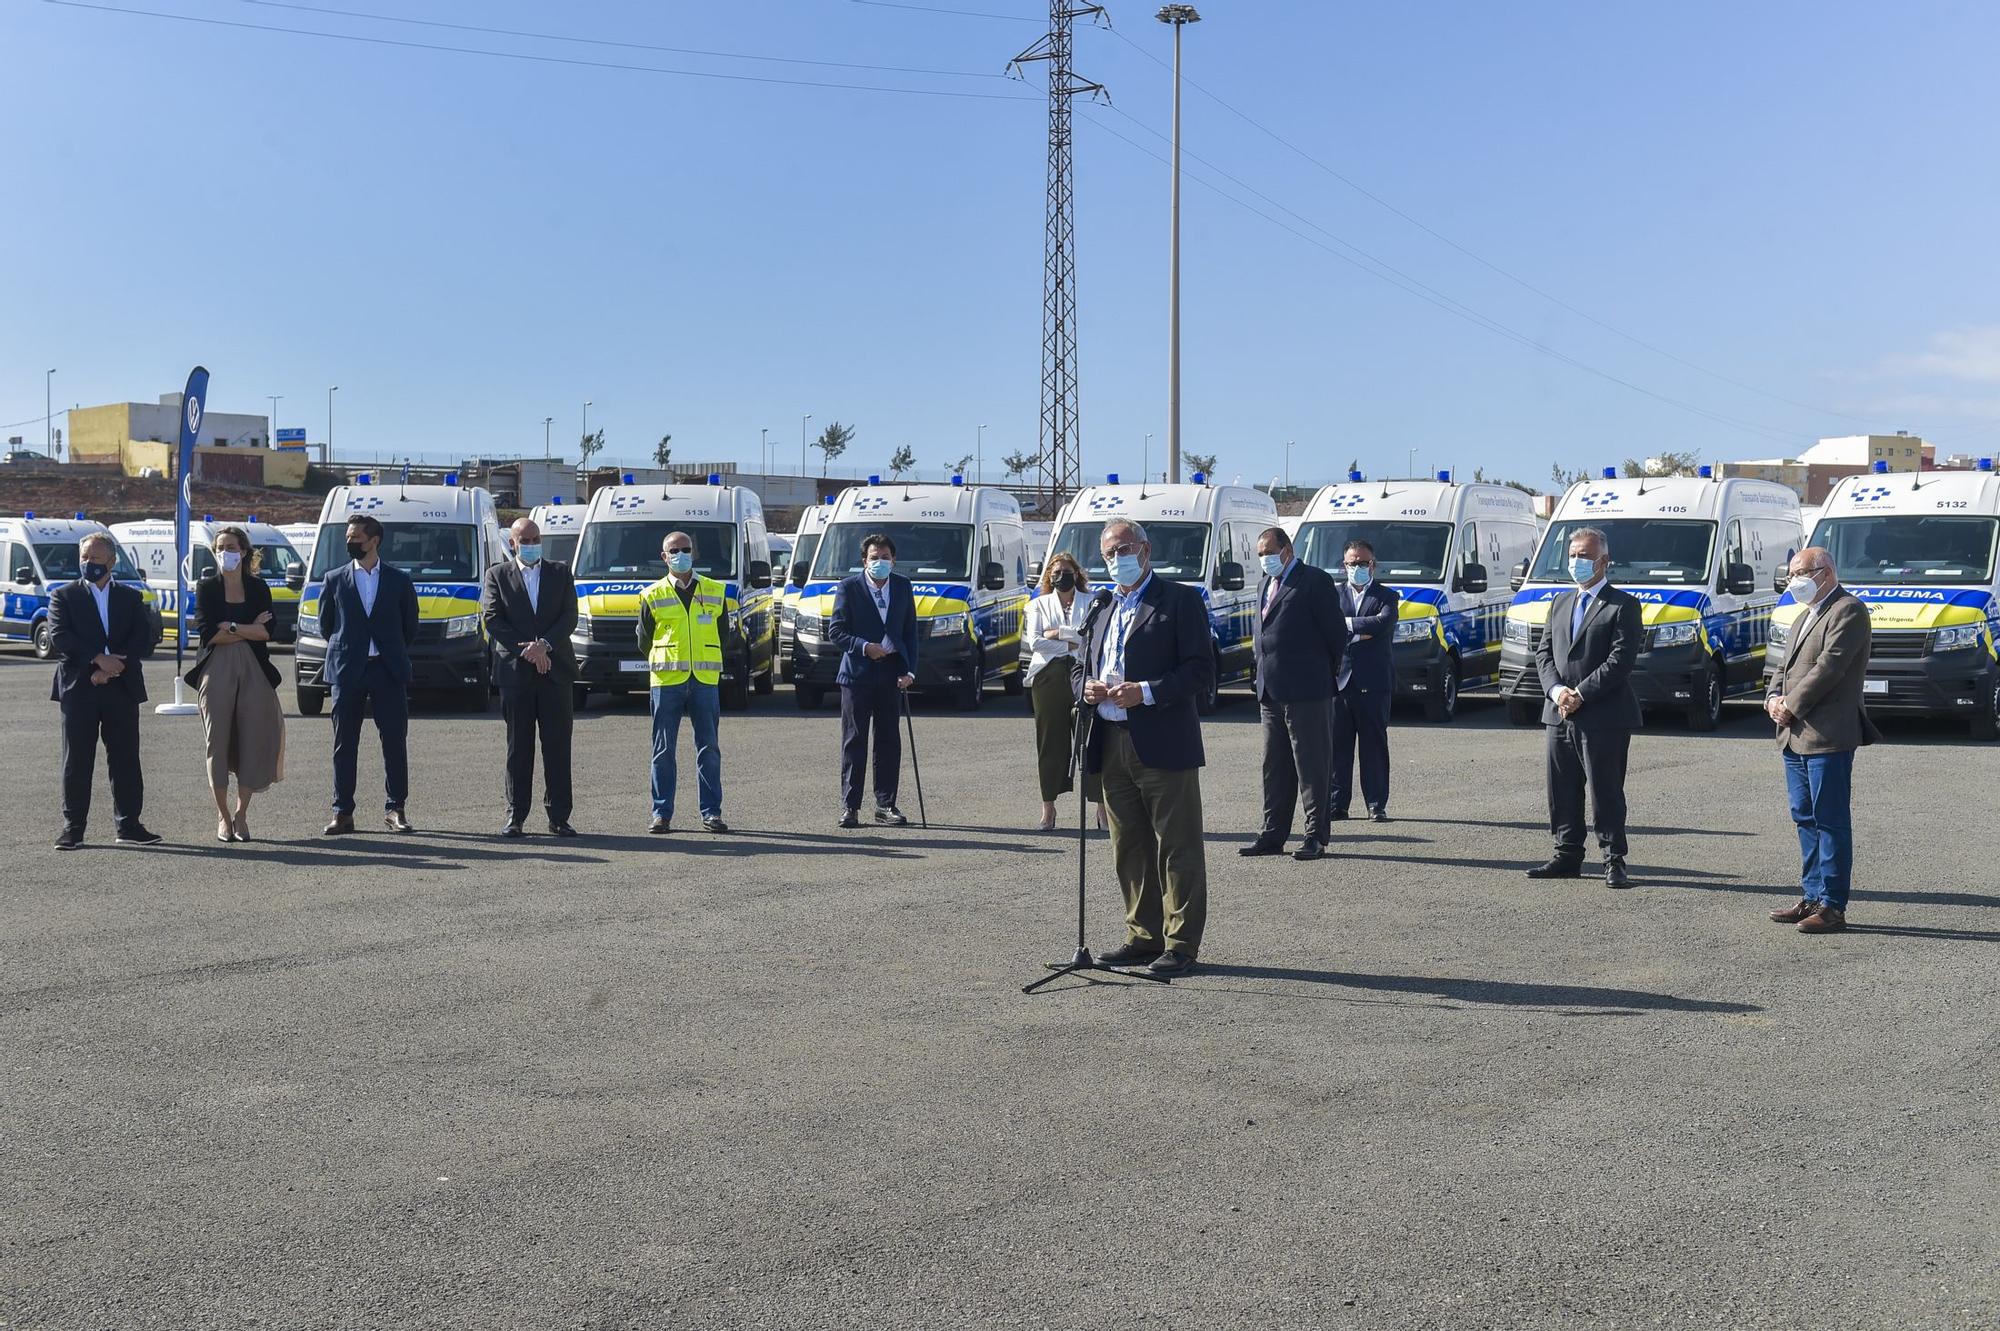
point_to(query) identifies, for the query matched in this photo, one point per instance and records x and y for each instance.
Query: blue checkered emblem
(1347, 501)
(1871, 494)
(1599, 498)
(1105, 503)
(624, 503)
(364, 502)
(871, 503)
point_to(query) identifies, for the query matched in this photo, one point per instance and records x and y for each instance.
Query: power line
(1477, 258)
(541, 59)
(934, 9)
(1394, 277)
(32, 420)
(623, 45)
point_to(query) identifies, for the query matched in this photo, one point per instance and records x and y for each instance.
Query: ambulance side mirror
(1518, 576)
(1779, 579)
(25, 576)
(1472, 578)
(1739, 579)
(1034, 570)
(760, 573)
(992, 577)
(295, 576)
(798, 575)
(1229, 577)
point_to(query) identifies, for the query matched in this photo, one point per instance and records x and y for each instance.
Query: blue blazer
(1370, 666)
(348, 629)
(1299, 642)
(856, 623)
(78, 636)
(1170, 647)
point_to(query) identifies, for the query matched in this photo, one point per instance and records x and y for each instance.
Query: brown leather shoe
(1793, 914)
(396, 822)
(342, 824)
(1824, 920)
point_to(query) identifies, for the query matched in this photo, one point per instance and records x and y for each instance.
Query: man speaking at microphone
(1146, 657)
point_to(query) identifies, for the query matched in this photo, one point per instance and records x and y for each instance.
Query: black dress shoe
(1313, 849)
(1338, 815)
(396, 821)
(135, 834)
(659, 827)
(342, 824)
(850, 818)
(1171, 964)
(714, 825)
(561, 829)
(1558, 868)
(1378, 814)
(1614, 873)
(890, 814)
(1263, 846)
(69, 838)
(1129, 954)
(511, 831)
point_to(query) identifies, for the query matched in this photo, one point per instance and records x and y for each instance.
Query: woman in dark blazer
(243, 720)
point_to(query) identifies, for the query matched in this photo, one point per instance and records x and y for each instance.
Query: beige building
(141, 437)
(1812, 474)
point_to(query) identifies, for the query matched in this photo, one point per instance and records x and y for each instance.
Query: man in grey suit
(1585, 660)
(529, 608)
(1814, 699)
(1298, 641)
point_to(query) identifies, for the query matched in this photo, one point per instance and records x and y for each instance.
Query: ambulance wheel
(973, 691)
(1015, 682)
(809, 696)
(311, 701)
(767, 683)
(1986, 723)
(45, 641)
(736, 696)
(1706, 714)
(1442, 706)
(1523, 714)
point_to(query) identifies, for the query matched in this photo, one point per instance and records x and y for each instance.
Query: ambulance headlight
(1958, 637)
(1675, 635)
(464, 626)
(1779, 632)
(1518, 631)
(947, 626)
(808, 624)
(789, 615)
(1414, 630)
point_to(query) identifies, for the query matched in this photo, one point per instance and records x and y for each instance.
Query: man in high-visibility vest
(680, 631)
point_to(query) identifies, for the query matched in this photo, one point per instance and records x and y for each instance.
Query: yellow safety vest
(687, 639)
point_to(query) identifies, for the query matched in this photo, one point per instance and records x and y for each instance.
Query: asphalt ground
(787, 1078)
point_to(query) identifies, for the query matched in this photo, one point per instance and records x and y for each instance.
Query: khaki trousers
(1156, 845)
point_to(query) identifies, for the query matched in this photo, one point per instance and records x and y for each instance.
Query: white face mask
(229, 559)
(1804, 588)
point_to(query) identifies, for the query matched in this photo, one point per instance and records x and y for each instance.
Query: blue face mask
(1360, 575)
(529, 554)
(1582, 570)
(680, 561)
(880, 569)
(1125, 569)
(1272, 565)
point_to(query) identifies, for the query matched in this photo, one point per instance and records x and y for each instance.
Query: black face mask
(356, 551)
(95, 572)
(1065, 581)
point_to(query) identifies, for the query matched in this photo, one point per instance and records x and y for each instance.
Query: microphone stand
(1082, 962)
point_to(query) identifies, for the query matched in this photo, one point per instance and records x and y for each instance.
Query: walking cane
(916, 768)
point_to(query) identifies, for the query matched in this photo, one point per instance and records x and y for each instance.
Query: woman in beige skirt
(242, 717)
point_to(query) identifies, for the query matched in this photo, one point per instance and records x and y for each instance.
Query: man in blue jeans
(680, 630)
(1814, 699)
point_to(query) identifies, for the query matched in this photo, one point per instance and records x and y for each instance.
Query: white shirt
(1584, 596)
(531, 578)
(1046, 612)
(1124, 608)
(102, 595)
(367, 582)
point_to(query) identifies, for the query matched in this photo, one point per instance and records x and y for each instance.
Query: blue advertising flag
(194, 401)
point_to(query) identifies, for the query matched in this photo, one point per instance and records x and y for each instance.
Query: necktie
(1271, 594)
(1582, 608)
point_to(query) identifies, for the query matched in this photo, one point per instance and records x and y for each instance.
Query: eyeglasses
(680, 549)
(1128, 548)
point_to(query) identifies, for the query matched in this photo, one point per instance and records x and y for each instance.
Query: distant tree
(663, 452)
(833, 441)
(1479, 475)
(1565, 478)
(587, 448)
(1666, 464)
(1201, 462)
(957, 468)
(1017, 464)
(900, 461)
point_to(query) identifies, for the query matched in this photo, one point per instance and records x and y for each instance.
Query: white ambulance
(445, 537)
(561, 525)
(1701, 554)
(1918, 549)
(38, 555)
(805, 544)
(963, 548)
(1446, 548)
(618, 556)
(303, 536)
(151, 544)
(1202, 535)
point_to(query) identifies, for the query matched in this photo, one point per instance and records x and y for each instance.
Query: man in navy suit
(1366, 683)
(1299, 639)
(1147, 655)
(101, 631)
(874, 625)
(368, 617)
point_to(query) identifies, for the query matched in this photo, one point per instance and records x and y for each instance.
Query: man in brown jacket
(1814, 698)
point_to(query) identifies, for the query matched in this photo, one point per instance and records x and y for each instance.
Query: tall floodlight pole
(1146, 459)
(328, 459)
(979, 455)
(764, 450)
(49, 415)
(1178, 17)
(548, 451)
(803, 422)
(1288, 462)
(276, 398)
(1061, 451)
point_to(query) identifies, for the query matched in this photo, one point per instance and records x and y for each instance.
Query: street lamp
(1288, 463)
(1177, 17)
(49, 415)
(328, 459)
(276, 398)
(548, 452)
(979, 452)
(806, 420)
(764, 450)
(1145, 460)
(1413, 464)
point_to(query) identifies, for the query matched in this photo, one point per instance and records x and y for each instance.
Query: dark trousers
(392, 722)
(877, 703)
(543, 705)
(1055, 735)
(1576, 758)
(1361, 719)
(1297, 737)
(90, 713)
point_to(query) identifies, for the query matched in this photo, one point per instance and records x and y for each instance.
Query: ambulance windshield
(1909, 550)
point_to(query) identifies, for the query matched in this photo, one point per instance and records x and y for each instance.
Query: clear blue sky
(1800, 196)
